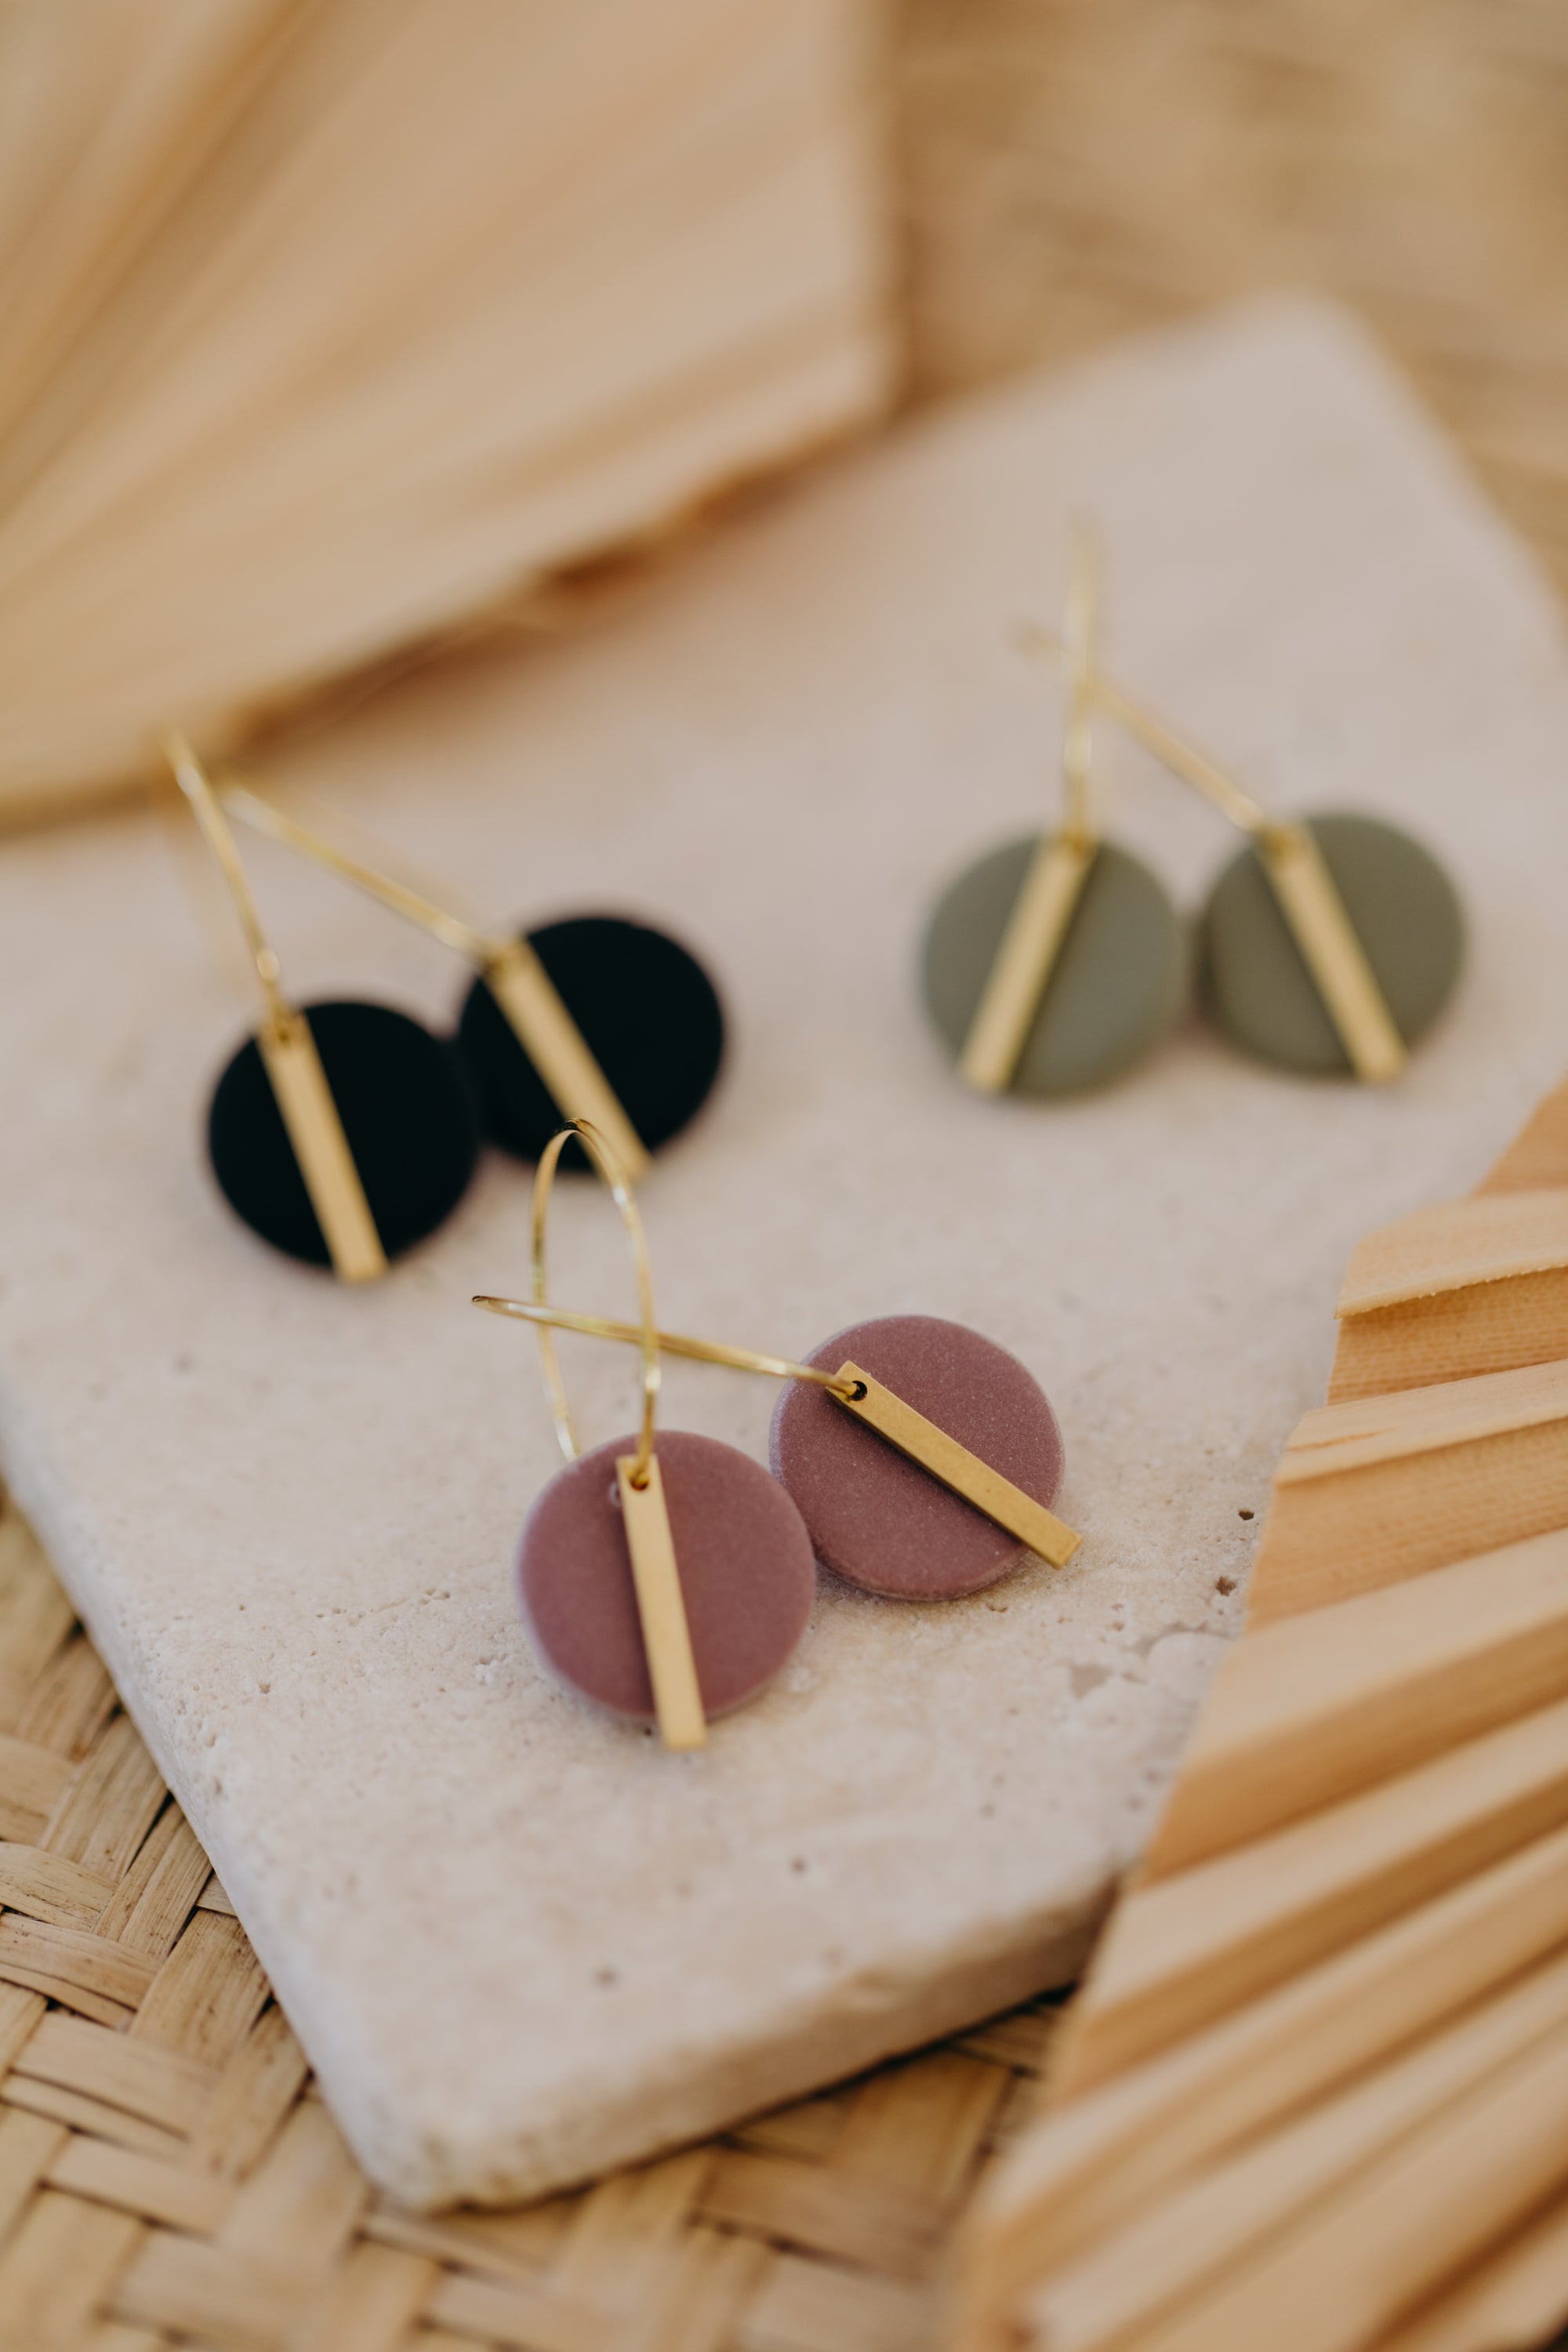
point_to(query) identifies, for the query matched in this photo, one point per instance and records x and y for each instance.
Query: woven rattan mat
(167, 2175)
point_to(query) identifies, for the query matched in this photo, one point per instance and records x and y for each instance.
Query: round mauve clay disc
(875, 1516)
(747, 1576)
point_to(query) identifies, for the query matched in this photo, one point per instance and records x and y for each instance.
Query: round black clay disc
(747, 1577)
(406, 1111)
(1402, 909)
(875, 1516)
(647, 1012)
(1119, 983)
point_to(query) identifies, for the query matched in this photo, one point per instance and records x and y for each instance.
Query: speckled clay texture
(520, 1942)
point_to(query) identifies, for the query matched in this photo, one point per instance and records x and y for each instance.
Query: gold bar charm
(1334, 956)
(953, 1464)
(1025, 961)
(555, 1045)
(666, 1637)
(300, 1084)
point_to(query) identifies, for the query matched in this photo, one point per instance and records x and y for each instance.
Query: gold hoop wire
(670, 1343)
(608, 1168)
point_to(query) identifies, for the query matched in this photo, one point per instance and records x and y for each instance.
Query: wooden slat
(1361, 2257)
(1455, 1247)
(1306, 1711)
(1498, 1327)
(1518, 2298)
(1094, 2158)
(1182, 1951)
(1211, 2224)
(1385, 1488)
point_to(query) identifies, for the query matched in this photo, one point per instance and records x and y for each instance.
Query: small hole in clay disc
(876, 1517)
(747, 1577)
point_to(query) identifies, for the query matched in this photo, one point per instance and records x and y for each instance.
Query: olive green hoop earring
(1330, 945)
(1056, 962)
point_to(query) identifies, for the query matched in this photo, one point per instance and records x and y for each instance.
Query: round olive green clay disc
(1119, 983)
(1402, 909)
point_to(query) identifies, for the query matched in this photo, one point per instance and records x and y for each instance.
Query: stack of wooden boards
(1314, 2095)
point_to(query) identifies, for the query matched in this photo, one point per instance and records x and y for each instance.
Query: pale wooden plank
(1516, 2300)
(1347, 1517)
(1206, 2228)
(1454, 1245)
(1096, 2157)
(1182, 1950)
(1497, 1327)
(1305, 1711)
(1395, 2231)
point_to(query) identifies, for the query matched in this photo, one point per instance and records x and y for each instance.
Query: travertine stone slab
(520, 1942)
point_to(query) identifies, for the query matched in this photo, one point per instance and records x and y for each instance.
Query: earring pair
(344, 1133)
(669, 1578)
(1330, 945)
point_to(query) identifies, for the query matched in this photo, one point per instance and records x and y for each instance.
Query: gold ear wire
(288, 1054)
(1037, 925)
(510, 970)
(1302, 884)
(656, 1577)
(859, 1392)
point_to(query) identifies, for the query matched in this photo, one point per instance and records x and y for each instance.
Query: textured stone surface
(519, 1941)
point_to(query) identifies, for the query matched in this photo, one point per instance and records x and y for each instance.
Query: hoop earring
(1331, 943)
(1053, 964)
(592, 1017)
(923, 1458)
(340, 1132)
(668, 1580)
